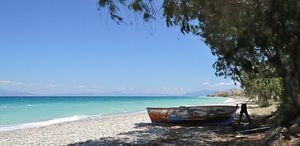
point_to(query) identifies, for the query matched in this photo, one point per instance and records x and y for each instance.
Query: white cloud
(87, 88)
(224, 84)
(216, 85)
(9, 82)
(174, 90)
(205, 83)
(3, 82)
(122, 88)
(54, 85)
(81, 86)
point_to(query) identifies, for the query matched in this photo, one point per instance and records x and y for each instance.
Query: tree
(243, 34)
(262, 87)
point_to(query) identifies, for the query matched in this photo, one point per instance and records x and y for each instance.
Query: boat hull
(192, 114)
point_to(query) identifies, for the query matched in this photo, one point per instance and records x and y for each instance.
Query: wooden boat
(216, 114)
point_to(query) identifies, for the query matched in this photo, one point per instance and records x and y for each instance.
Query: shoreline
(227, 101)
(75, 131)
(129, 128)
(63, 120)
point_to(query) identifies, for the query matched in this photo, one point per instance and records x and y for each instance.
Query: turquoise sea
(19, 112)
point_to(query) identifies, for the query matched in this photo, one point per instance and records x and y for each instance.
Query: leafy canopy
(245, 35)
(241, 33)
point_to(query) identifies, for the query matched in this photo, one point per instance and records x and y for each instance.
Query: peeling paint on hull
(192, 114)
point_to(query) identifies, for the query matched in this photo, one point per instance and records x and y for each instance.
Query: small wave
(43, 123)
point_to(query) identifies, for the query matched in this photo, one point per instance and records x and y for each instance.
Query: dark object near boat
(244, 111)
(203, 115)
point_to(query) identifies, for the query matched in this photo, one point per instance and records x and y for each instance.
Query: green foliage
(263, 85)
(263, 103)
(140, 6)
(245, 35)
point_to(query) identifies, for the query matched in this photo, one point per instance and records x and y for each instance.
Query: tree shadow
(151, 134)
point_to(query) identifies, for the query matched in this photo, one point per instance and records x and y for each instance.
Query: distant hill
(90, 94)
(13, 93)
(113, 93)
(200, 93)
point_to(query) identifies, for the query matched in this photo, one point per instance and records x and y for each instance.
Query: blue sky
(56, 46)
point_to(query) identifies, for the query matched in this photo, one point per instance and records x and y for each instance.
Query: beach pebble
(118, 127)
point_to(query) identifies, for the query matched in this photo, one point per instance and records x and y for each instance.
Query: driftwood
(254, 130)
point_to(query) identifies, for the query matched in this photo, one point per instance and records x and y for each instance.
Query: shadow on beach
(150, 134)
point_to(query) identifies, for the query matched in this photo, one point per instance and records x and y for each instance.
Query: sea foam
(37, 108)
(43, 123)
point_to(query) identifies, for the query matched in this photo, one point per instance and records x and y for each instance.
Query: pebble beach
(76, 131)
(130, 129)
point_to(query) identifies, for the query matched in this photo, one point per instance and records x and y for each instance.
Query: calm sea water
(18, 112)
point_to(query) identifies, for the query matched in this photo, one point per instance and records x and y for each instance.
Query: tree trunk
(290, 105)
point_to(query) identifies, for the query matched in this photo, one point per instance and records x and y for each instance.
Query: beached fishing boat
(216, 114)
